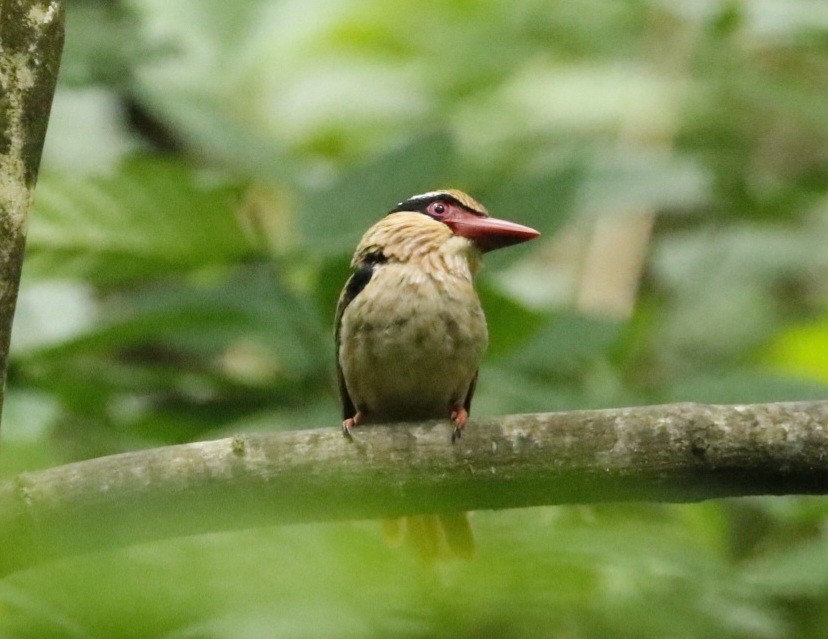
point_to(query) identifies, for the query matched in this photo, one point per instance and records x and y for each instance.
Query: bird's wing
(470, 394)
(363, 272)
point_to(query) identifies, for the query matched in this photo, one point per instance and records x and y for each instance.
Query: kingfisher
(409, 329)
(410, 332)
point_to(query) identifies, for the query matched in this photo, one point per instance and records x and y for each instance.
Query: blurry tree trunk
(604, 254)
(31, 41)
(673, 453)
(613, 263)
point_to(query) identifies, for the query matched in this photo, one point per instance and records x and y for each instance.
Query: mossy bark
(31, 41)
(677, 452)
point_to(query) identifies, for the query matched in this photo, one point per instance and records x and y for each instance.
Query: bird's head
(437, 220)
(467, 218)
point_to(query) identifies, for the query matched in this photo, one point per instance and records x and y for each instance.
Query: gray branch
(31, 41)
(674, 453)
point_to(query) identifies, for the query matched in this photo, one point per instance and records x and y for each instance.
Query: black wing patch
(359, 279)
(470, 394)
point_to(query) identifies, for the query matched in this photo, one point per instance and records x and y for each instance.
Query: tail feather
(393, 531)
(423, 534)
(432, 537)
(459, 535)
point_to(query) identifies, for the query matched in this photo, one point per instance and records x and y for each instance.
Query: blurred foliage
(208, 169)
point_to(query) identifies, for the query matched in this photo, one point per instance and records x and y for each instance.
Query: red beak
(488, 233)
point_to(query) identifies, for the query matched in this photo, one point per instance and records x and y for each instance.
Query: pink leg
(459, 416)
(349, 424)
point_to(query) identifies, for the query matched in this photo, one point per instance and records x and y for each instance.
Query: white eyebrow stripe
(422, 196)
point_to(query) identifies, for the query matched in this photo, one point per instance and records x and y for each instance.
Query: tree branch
(677, 452)
(31, 41)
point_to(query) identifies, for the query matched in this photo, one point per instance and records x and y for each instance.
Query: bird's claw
(459, 417)
(349, 424)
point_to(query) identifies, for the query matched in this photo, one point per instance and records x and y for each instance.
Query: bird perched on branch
(410, 331)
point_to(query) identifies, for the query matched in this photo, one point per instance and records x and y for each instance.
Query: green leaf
(503, 391)
(333, 219)
(801, 351)
(567, 345)
(174, 360)
(742, 387)
(152, 216)
(205, 319)
(27, 420)
(210, 132)
(510, 323)
(597, 571)
(544, 201)
(638, 179)
(798, 570)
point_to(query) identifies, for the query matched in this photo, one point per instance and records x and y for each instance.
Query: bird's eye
(437, 208)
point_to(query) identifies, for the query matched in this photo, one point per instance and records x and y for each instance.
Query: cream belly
(411, 352)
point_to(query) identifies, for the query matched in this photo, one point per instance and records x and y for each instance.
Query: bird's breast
(411, 343)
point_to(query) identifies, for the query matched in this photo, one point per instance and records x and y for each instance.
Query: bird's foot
(459, 417)
(349, 424)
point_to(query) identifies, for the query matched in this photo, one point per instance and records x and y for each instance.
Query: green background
(209, 167)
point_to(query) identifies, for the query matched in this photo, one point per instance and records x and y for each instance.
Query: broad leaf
(332, 219)
(150, 217)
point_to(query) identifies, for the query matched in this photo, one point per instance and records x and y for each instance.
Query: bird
(410, 332)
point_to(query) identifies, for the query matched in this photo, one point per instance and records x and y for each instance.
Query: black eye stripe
(420, 204)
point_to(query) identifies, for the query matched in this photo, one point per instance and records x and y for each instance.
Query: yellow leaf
(801, 351)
